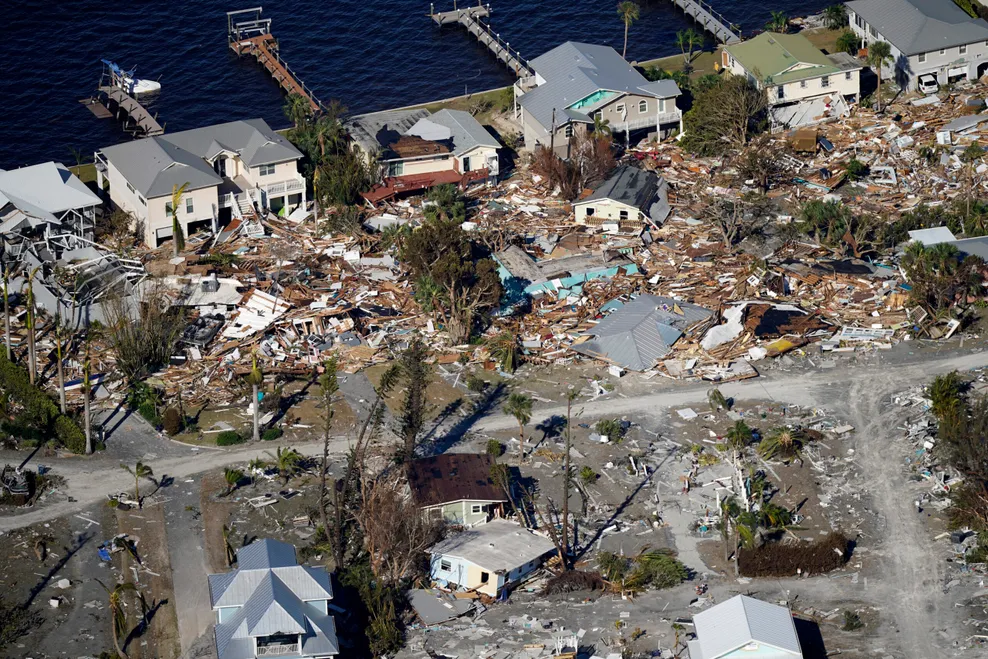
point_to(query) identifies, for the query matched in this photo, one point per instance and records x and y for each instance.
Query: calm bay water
(371, 54)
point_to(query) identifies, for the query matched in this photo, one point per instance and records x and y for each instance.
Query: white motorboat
(129, 82)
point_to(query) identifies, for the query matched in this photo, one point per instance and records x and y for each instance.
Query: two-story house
(932, 39)
(416, 150)
(791, 69)
(743, 627)
(575, 82)
(456, 487)
(230, 169)
(270, 606)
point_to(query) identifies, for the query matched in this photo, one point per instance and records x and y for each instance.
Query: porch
(396, 185)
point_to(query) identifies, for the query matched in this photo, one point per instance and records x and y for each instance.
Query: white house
(629, 198)
(745, 627)
(230, 169)
(271, 606)
(489, 557)
(933, 38)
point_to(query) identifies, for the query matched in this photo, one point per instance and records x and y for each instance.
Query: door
(219, 166)
(466, 164)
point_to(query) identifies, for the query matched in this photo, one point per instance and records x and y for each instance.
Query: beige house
(627, 200)
(575, 82)
(231, 170)
(416, 150)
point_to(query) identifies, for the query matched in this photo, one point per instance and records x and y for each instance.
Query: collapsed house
(417, 150)
(628, 199)
(522, 275)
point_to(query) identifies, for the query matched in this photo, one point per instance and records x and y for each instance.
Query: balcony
(647, 122)
(291, 186)
(278, 650)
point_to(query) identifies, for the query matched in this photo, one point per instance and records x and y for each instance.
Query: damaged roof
(452, 477)
(644, 190)
(44, 190)
(640, 332)
(415, 133)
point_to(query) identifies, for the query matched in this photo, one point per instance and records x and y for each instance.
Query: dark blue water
(371, 54)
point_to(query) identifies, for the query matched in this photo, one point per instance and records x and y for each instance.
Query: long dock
(137, 120)
(710, 20)
(470, 19)
(249, 34)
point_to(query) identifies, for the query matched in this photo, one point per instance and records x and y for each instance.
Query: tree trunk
(567, 476)
(116, 643)
(61, 371)
(878, 92)
(624, 52)
(458, 330)
(322, 481)
(31, 351)
(6, 317)
(137, 491)
(257, 416)
(521, 442)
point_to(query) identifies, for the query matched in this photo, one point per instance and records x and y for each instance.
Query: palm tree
(232, 478)
(848, 42)
(688, 40)
(519, 406)
(31, 348)
(178, 238)
(139, 471)
(738, 436)
(778, 23)
(298, 109)
(87, 387)
(784, 442)
(945, 393)
(628, 11)
(255, 465)
(971, 155)
(504, 350)
(601, 126)
(717, 400)
(879, 54)
(835, 17)
(255, 379)
(117, 615)
(6, 310)
(287, 461)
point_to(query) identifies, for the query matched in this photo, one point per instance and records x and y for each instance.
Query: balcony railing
(277, 650)
(285, 187)
(646, 122)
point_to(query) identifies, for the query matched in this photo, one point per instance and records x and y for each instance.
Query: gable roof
(640, 332)
(921, 26)
(155, 164)
(641, 189)
(781, 58)
(464, 132)
(44, 189)
(255, 562)
(497, 545)
(453, 477)
(741, 620)
(573, 71)
(371, 131)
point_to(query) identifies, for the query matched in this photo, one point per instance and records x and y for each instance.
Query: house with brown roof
(457, 487)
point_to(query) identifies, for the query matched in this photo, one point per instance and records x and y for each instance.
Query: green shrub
(856, 169)
(852, 621)
(495, 449)
(612, 428)
(150, 414)
(171, 420)
(475, 384)
(39, 409)
(272, 434)
(588, 475)
(229, 438)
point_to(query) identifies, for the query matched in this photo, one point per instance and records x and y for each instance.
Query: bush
(612, 428)
(39, 409)
(778, 560)
(573, 581)
(852, 621)
(495, 449)
(856, 170)
(476, 384)
(272, 434)
(229, 438)
(588, 475)
(172, 421)
(150, 414)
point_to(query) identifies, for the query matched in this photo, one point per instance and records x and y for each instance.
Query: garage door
(165, 232)
(958, 71)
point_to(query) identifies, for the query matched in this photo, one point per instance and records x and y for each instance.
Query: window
(485, 577)
(922, 57)
(619, 108)
(871, 30)
(445, 565)
(962, 50)
(802, 84)
(847, 76)
(130, 187)
(188, 205)
(569, 130)
(396, 168)
(475, 509)
(219, 166)
(623, 215)
(825, 81)
(168, 209)
(266, 170)
(943, 51)
(589, 212)
(780, 92)
(143, 201)
(643, 106)
(859, 21)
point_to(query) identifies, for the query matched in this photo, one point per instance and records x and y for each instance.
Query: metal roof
(44, 190)
(497, 545)
(266, 553)
(273, 609)
(921, 26)
(573, 71)
(371, 131)
(643, 330)
(780, 58)
(453, 477)
(646, 191)
(741, 620)
(155, 165)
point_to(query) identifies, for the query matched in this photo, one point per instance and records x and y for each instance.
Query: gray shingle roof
(573, 71)
(155, 165)
(921, 26)
(497, 545)
(48, 188)
(641, 331)
(461, 129)
(741, 620)
(371, 131)
(644, 190)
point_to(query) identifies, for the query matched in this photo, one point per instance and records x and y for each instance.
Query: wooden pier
(137, 120)
(710, 20)
(470, 19)
(249, 34)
